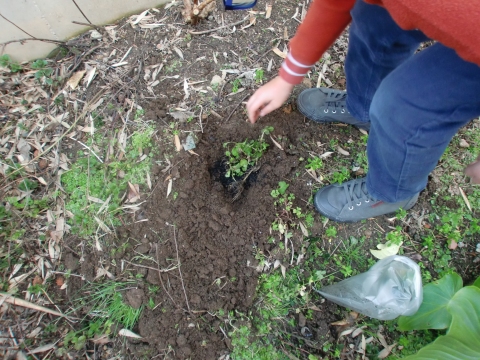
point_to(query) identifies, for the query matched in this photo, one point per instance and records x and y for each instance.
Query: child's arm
(325, 21)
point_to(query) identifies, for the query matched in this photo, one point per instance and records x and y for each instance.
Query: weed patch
(95, 188)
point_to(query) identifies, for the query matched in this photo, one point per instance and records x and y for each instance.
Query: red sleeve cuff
(292, 71)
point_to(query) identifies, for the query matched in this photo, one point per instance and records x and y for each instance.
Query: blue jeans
(416, 102)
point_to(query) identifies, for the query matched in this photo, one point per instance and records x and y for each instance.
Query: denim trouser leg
(377, 45)
(415, 103)
(415, 112)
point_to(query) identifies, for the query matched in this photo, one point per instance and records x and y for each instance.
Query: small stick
(79, 9)
(86, 147)
(229, 116)
(51, 302)
(151, 268)
(12, 335)
(218, 28)
(161, 280)
(20, 302)
(179, 266)
(216, 114)
(85, 24)
(30, 39)
(200, 118)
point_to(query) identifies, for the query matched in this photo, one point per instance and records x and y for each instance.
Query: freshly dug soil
(198, 225)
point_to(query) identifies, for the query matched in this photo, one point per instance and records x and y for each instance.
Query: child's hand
(473, 170)
(268, 98)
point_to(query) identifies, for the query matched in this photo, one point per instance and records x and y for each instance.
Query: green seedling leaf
(39, 64)
(461, 341)
(433, 313)
(27, 185)
(385, 250)
(282, 187)
(267, 130)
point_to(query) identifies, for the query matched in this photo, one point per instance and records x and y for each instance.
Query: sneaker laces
(356, 192)
(336, 101)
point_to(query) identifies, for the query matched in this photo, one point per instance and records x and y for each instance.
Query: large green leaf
(446, 348)
(477, 283)
(462, 340)
(465, 311)
(433, 313)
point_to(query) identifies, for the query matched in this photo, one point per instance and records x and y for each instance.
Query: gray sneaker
(351, 202)
(325, 105)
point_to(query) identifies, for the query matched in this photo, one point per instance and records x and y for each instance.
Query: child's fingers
(253, 108)
(267, 109)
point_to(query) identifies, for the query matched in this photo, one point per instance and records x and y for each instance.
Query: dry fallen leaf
(287, 109)
(268, 11)
(279, 52)
(178, 51)
(128, 333)
(303, 228)
(382, 340)
(42, 349)
(342, 151)
(37, 280)
(59, 281)
(453, 245)
(89, 77)
(358, 331)
(326, 155)
(385, 352)
(169, 187)
(75, 79)
(346, 332)
(101, 339)
(341, 322)
(133, 192)
(465, 199)
(464, 143)
(178, 144)
(385, 250)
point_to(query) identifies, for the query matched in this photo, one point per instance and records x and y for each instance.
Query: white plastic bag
(392, 287)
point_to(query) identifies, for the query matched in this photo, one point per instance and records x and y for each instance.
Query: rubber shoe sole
(326, 202)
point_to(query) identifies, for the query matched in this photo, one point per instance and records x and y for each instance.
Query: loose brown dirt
(198, 225)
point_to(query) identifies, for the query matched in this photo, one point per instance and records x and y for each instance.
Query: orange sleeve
(325, 21)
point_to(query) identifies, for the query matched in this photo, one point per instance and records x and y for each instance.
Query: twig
(218, 28)
(229, 116)
(18, 27)
(77, 63)
(161, 280)
(20, 302)
(216, 114)
(179, 267)
(86, 147)
(78, 7)
(151, 268)
(12, 335)
(200, 118)
(69, 274)
(263, 55)
(58, 42)
(85, 24)
(51, 302)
